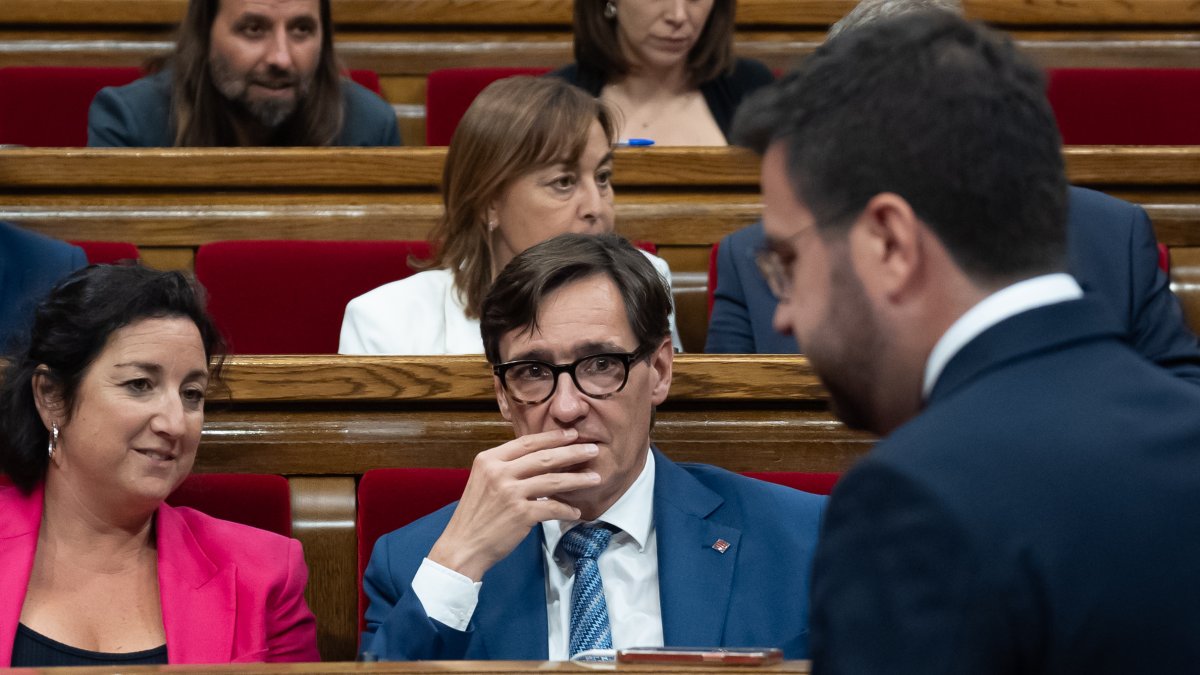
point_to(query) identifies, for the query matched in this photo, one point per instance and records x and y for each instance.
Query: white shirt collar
(633, 512)
(1004, 303)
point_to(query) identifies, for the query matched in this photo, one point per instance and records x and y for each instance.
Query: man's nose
(567, 404)
(279, 50)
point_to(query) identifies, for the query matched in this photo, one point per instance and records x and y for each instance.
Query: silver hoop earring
(492, 225)
(610, 10)
(53, 445)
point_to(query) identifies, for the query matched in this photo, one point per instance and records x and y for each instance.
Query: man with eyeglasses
(1032, 507)
(580, 536)
(1111, 251)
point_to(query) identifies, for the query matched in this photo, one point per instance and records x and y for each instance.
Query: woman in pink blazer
(100, 419)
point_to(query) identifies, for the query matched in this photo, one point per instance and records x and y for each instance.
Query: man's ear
(661, 363)
(886, 246)
(502, 398)
(48, 397)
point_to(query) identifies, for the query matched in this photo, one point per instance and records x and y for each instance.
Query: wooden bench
(404, 40)
(170, 201)
(323, 421)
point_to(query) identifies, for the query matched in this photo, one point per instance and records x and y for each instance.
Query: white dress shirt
(1009, 301)
(628, 568)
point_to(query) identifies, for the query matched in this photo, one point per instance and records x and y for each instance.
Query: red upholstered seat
(48, 106)
(450, 91)
(258, 500)
(1126, 106)
(288, 297)
(108, 252)
(712, 275)
(816, 483)
(389, 499)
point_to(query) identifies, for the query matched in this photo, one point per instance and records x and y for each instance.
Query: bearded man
(246, 73)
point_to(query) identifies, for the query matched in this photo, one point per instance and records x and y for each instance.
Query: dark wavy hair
(949, 115)
(201, 113)
(70, 328)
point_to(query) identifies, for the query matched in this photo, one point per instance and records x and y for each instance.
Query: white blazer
(423, 314)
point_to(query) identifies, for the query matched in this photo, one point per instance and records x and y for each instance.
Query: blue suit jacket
(138, 115)
(754, 594)
(1111, 250)
(30, 265)
(1041, 515)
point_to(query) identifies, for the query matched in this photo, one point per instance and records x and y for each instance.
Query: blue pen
(636, 143)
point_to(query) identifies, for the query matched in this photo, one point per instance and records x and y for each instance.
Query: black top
(34, 650)
(723, 95)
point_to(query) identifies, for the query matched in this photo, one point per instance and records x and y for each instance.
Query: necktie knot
(586, 542)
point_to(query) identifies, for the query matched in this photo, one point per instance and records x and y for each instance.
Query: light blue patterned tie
(589, 611)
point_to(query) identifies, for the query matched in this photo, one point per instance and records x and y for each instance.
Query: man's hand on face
(512, 488)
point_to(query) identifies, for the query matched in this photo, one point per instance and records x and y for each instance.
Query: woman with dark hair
(100, 419)
(666, 65)
(530, 160)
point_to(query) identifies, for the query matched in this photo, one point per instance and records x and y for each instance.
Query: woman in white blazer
(531, 159)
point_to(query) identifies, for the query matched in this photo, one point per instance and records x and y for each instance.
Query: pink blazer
(230, 593)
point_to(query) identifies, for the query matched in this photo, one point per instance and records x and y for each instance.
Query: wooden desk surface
(431, 668)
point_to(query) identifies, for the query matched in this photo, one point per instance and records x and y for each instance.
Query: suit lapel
(18, 544)
(512, 621)
(1024, 335)
(694, 578)
(199, 603)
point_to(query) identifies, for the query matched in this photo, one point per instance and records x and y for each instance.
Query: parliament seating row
(1094, 106)
(405, 40)
(324, 422)
(48, 106)
(169, 202)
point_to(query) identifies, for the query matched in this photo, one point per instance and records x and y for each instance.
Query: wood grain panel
(323, 519)
(373, 379)
(413, 54)
(558, 12)
(289, 170)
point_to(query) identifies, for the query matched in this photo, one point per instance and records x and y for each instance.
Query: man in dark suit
(1032, 507)
(576, 330)
(1111, 250)
(30, 265)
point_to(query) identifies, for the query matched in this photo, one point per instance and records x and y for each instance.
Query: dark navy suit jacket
(1112, 252)
(30, 265)
(138, 115)
(1041, 515)
(754, 594)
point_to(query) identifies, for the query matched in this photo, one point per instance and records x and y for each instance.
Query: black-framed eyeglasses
(598, 375)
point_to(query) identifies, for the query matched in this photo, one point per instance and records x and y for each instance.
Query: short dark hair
(596, 45)
(70, 328)
(945, 113)
(199, 111)
(513, 302)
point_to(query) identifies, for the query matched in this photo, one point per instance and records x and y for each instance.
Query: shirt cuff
(446, 595)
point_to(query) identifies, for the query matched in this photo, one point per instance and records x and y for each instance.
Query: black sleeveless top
(34, 650)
